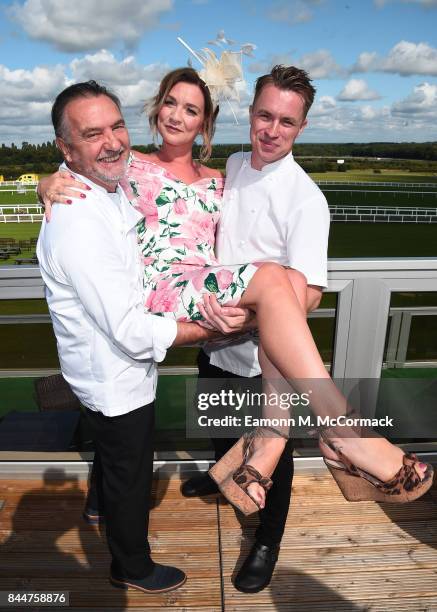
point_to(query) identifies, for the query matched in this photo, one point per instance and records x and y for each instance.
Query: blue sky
(374, 62)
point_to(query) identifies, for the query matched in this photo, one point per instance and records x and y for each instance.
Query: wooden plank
(209, 608)
(316, 536)
(140, 608)
(45, 544)
(334, 555)
(339, 556)
(300, 587)
(94, 591)
(415, 604)
(57, 563)
(169, 486)
(423, 509)
(344, 560)
(90, 538)
(62, 516)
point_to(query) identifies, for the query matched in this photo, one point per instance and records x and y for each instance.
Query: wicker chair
(54, 393)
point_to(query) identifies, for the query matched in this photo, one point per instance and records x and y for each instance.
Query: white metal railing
(382, 192)
(379, 184)
(384, 214)
(364, 288)
(22, 218)
(18, 184)
(339, 213)
(18, 209)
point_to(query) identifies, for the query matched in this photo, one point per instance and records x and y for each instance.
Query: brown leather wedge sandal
(233, 475)
(358, 485)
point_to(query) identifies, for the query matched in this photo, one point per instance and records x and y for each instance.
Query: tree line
(44, 158)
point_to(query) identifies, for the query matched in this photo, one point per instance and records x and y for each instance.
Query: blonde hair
(185, 75)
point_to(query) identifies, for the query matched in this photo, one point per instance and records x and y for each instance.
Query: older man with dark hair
(108, 346)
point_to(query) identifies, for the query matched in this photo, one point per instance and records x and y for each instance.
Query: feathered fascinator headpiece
(222, 74)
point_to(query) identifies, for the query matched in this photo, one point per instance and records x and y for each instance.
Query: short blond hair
(185, 75)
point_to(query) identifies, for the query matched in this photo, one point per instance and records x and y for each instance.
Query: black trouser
(121, 483)
(274, 515)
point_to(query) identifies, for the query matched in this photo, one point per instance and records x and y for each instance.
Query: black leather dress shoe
(198, 486)
(256, 572)
(163, 578)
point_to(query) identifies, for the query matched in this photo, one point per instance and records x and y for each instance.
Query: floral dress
(177, 238)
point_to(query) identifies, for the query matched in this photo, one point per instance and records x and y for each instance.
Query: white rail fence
(17, 184)
(379, 184)
(22, 218)
(18, 209)
(22, 213)
(382, 214)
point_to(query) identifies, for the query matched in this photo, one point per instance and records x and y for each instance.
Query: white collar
(267, 168)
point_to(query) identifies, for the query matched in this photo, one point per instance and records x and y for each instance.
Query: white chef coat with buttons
(275, 214)
(90, 264)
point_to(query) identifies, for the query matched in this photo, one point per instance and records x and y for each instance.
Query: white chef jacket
(107, 344)
(275, 214)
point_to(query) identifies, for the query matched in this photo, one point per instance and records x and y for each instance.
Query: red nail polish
(69, 201)
(88, 187)
(83, 195)
(422, 466)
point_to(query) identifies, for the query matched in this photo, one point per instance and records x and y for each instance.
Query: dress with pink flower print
(177, 239)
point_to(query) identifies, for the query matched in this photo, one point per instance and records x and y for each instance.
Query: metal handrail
(378, 183)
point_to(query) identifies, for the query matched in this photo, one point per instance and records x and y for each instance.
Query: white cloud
(323, 106)
(298, 11)
(420, 104)
(369, 113)
(412, 119)
(131, 81)
(349, 123)
(357, 89)
(27, 96)
(39, 84)
(88, 24)
(423, 3)
(265, 65)
(405, 58)
(319, 64)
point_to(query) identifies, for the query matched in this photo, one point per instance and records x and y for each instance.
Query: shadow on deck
(335, 555)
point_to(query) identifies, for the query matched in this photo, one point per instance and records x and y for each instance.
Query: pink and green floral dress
(177, 239)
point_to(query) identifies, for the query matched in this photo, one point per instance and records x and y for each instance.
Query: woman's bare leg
(266, 450)
(289, 345)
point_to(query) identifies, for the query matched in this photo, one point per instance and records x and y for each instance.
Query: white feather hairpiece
(221, 74)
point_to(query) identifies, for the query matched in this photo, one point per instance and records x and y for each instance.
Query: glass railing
(376, 321)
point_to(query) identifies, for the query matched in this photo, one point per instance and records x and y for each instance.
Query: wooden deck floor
(335, 555)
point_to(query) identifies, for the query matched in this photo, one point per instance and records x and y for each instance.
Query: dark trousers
(121, 482)
(274, 515)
